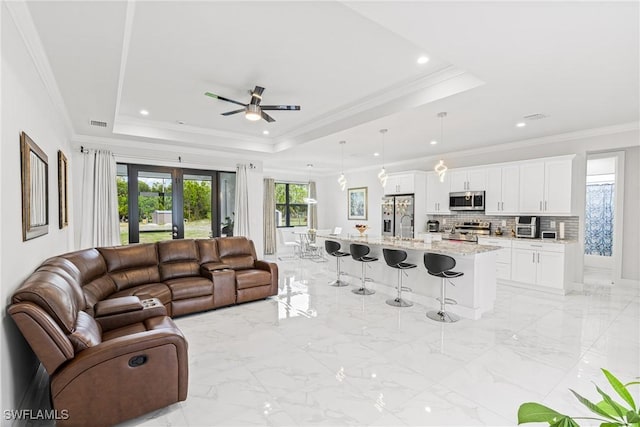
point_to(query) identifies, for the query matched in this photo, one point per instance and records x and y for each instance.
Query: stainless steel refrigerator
(397, 216)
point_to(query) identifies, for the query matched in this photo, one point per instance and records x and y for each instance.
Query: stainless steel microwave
(466, 201)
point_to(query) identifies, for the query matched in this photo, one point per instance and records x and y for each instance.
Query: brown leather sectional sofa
(99, 320)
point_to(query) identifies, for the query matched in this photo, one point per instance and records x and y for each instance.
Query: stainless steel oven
(466, 201)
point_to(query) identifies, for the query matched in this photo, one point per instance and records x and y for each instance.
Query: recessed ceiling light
(423, 60)
(144, 112)
(434, 142)
(521, 124)
(376, 154)
(265, 132)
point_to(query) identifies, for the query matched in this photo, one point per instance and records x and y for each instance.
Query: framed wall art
(63, 190)
(35, 189)
(358, 203)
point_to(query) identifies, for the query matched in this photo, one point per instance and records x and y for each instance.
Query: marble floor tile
(320, 355)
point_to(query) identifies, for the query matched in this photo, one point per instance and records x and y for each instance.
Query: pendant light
(441, 168)
(382, 175)
(342, 181)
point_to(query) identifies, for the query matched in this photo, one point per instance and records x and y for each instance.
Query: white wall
(25, 107)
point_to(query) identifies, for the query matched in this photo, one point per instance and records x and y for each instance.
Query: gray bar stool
(440, 266)
(359, 253)
(333, 249)
(394, 258)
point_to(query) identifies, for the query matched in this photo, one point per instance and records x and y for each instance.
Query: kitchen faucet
(401, 219)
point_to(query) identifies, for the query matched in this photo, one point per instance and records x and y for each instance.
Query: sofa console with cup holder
(99, 320)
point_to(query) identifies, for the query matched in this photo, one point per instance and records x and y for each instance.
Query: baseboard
(628, 284)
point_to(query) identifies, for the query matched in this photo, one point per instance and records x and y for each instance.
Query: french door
(165, 203)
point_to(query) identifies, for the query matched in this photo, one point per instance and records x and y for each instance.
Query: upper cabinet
(545, 187)
(401, 183)
(502, 190)
(437, 194)
(468, 179)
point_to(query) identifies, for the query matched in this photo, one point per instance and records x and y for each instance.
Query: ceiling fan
(253, 110)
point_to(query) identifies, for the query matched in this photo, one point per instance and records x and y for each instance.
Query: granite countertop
(444, 247)
(509, 237)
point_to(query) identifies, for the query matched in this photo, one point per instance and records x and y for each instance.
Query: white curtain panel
(241, 226)
(269, 213)
(313, 208)
(100, 222)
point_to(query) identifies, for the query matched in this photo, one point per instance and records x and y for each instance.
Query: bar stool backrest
(358, 251)
(437, 263)
(393, 257)
(331, 247)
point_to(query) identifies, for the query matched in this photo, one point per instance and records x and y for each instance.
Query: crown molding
(21, 16)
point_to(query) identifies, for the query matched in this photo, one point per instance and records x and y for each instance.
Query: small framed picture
(357, 203)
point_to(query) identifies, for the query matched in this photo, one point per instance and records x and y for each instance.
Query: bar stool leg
(338, 282)
(442, 315)
(363, 289)
(398, 301)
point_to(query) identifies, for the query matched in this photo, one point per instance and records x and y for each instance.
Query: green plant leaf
(592, 407)
(532, 412)
(633, 417)
(565, 421)
(611, 425)
(609, 406)
(619, 388)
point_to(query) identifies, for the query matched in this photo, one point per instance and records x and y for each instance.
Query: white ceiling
(350, 65)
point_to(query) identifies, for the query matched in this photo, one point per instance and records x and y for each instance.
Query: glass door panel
(197, 203)
(227, 203)
(155, 206)
(122, 183)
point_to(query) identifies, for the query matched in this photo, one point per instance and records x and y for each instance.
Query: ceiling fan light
(253, 113)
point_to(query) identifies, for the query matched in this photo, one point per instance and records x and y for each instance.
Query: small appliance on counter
(528, 227)
(549, 235)
(433, 226)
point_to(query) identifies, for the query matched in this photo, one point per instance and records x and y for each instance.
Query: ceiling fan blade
(268, 117)
(281, 107)
(228, 113)
(222, 98)
(256, 95)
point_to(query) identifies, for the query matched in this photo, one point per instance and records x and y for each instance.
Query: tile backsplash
(570, 222)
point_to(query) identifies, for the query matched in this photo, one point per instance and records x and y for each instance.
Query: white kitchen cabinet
(541, 264)
(437, 194)
(502, 190)
(503, 256)
(545, 187)
(402, 183)
(468, 180)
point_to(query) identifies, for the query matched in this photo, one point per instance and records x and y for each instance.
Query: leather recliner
(100, 373)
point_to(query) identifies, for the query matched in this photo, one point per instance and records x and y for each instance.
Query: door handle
(498, 208)
(533, 257)
(538, 257)
(545, 205)
(502, 203)
(540, 205)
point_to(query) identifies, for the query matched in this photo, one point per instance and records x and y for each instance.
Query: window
(291, 208)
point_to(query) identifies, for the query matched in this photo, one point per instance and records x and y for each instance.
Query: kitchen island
(475, 292)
